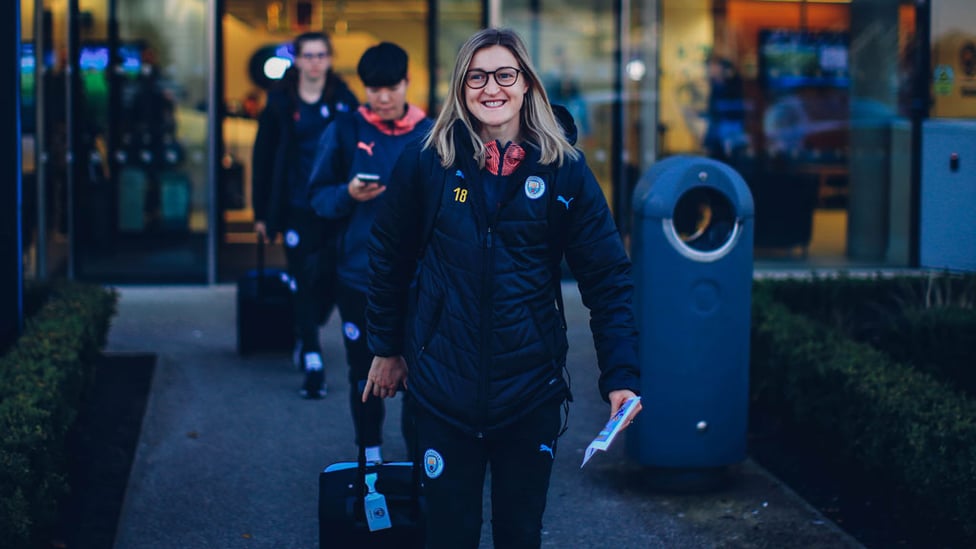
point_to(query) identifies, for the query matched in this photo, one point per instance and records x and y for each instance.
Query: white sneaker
(313, 362)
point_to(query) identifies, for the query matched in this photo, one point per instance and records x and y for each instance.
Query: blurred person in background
(298, 110)
(348, 185)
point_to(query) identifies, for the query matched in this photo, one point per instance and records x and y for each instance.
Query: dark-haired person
(348, 184)
(290, 127)
(485, 350)
(725, 134)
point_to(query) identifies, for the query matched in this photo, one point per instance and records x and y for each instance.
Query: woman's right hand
(261, 229)
(362, 191)
(386, 375)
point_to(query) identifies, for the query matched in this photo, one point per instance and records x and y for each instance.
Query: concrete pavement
(229, 455)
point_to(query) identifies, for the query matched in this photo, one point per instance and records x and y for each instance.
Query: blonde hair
(537, 122)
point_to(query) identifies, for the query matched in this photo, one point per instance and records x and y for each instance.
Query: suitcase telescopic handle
(361, 458)
(260, 266)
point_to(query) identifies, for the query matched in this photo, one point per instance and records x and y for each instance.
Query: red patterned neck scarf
(493, 157)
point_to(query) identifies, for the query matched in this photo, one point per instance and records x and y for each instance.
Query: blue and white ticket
(616, 424)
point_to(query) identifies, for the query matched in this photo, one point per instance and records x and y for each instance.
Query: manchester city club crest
(433, 463)
(291, 239)
(351, 331)
(534, 187)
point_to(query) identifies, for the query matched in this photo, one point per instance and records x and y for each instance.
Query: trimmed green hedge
(43, 378)
(924, 321)
(901, 425)
(941, 342)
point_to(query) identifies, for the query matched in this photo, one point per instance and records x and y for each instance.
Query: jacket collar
(503, 159)
(400, 126)
(464, 157)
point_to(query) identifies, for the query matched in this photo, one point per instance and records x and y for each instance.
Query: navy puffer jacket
(276, 146)
(486, 342)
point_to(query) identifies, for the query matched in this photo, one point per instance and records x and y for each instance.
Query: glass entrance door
(137, 119)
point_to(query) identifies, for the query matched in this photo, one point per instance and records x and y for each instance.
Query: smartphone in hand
(368, 178)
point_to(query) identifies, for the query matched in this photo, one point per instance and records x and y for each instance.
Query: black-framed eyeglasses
(504, 77)
(314, 56)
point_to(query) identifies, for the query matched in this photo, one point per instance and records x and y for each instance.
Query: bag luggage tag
(377, 515)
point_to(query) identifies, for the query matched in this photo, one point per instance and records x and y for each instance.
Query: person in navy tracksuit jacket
(350, 177)
(483, 345)
(298, 111)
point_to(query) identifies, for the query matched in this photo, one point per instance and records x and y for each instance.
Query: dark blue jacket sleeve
(597, 258)
(263, 159)
(328, 191)
(394, 245)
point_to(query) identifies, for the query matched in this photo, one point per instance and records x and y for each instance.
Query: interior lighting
(636, 69)
(275, 67)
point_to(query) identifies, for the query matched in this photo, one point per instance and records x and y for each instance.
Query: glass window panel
(51, 165)
(954, 59)
(456, 21)
(142, 190)
(640, 78)
(572, 43)
(29, 75)
(807, 100)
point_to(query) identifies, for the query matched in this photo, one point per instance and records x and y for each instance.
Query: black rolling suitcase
(345, 498)
(265, 317)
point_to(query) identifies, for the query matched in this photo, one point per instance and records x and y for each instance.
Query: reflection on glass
(571, 45)
(776, 90)
(142, 192)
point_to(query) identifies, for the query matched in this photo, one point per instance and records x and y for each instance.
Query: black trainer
(314, 385)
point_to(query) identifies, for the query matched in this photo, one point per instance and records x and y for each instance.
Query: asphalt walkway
(229, 455)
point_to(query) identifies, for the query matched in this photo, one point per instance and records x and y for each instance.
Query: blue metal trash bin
(692, 254)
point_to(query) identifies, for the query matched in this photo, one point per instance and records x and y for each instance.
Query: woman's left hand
(618, 398)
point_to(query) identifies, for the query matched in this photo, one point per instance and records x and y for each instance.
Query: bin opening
(703, 225)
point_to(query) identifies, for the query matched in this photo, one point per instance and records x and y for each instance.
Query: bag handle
(361, 457)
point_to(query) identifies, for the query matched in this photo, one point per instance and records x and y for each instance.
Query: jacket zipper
(485, 331)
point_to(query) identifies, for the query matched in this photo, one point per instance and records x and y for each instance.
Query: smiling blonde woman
(479, 218)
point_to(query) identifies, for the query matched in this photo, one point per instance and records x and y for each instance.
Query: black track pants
(520, 458)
